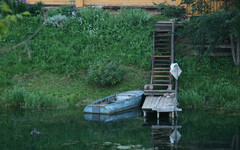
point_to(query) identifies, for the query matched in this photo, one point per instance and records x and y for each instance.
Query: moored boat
(115, 103)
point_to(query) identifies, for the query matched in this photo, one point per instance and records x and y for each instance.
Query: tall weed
(21, 98)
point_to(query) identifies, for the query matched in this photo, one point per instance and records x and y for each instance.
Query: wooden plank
(165, 127)
(160, 91)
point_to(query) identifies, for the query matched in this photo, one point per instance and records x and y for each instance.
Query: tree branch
(23, 42)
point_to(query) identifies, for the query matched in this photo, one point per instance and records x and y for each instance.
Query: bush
(17, 6)
(67, 10)
(134, 17)
(178, 12)
(104, 73)
(36, 9)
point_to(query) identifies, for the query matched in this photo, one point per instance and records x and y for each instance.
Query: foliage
(178, 12)
(92, 35)
(66, 10)
(22, 98)
(6, 18)
(105, 73)
(134, 17)
(201, 30)
(198, 6)
(17, 6)
(36, 9)
(208, 81)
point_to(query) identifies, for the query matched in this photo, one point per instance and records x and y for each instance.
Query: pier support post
(172, 114)
(144, 114)
(158, 115)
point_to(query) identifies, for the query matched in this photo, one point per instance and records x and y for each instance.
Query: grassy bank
(60, 56)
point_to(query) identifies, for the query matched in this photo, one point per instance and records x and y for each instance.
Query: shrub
(36, 9)
(67, 10)
(134, 17)
(105, 73)
(17, 6)
(171, 11)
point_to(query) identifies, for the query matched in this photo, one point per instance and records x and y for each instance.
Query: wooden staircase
(160, 95)
(162, 57)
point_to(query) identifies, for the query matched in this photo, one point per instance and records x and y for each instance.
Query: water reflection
(165, 132)
(68, 129)
(132, 113)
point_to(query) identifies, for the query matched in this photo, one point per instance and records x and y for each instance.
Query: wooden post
(172, 43)
(158, 115)
(153, 54)
(144, 114)
(176, 93)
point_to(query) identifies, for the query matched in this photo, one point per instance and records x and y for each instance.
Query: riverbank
(59, 57)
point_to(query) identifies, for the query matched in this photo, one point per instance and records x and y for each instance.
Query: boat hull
(117, 106)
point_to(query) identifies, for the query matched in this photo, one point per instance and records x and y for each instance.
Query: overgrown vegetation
(208, 82)
(73, 61)
(87, 37)
(19, 97)
(105, 73)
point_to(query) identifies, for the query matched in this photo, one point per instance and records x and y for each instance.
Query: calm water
(69, 129)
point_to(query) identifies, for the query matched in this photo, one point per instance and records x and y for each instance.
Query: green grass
(62, 55)
(208, 81)
(73, 91)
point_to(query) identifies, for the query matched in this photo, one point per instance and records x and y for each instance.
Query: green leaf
(26, 13)
(5, 8)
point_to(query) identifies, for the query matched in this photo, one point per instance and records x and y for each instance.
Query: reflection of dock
(165, 136)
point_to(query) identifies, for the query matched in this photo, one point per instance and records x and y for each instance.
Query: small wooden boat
(116, 103)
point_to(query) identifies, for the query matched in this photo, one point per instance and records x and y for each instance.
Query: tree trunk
(235, 49)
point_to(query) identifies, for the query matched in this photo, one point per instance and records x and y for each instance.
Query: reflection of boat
(115, 103)
(132, 113)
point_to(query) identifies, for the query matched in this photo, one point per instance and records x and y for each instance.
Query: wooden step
(163, 44)
(161, 80)
(163, 35)
(161, 68)
(161, 84)
(160, 71)
(163, 56)
(161, 65)
(162, 60)
(163, 48)
(163, 29)
(161, 76)
(156, 53)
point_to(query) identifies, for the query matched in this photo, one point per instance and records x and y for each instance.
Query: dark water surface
(68, 129)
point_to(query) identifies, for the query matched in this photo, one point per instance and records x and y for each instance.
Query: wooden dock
(161, 104)
(160, 94)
